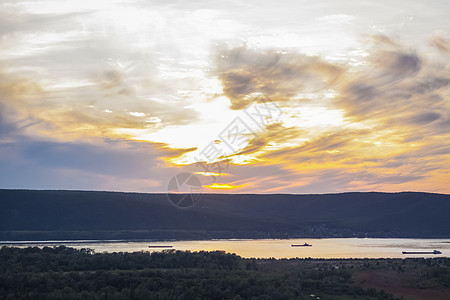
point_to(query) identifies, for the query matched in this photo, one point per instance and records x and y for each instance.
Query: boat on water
(160, 246)
(302, 245)
(422, 252)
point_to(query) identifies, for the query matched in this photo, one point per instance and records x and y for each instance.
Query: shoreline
(83, 241)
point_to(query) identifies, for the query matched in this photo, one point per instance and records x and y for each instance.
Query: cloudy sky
(252, 96)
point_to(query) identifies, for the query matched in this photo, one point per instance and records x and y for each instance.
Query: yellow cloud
(224, 186)
(210, 174)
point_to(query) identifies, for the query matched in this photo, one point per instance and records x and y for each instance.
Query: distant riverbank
(84, 215)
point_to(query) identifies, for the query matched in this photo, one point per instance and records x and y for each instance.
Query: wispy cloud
(107, 96)
(396, 118)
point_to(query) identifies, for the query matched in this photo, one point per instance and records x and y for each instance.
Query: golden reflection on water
(321, 248)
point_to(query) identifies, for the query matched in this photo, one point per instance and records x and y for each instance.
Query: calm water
(321, 248)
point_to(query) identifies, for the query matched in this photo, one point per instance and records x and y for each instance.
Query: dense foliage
(77, 215)
(67, 273)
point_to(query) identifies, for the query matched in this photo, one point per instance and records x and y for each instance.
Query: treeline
(73, 215)
(67, 273)
(65, 259)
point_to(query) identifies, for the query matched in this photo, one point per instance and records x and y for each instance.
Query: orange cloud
(224, 186)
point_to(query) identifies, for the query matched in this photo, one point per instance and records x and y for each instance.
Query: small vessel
(160, 246)
(302, 245)
(422, 252)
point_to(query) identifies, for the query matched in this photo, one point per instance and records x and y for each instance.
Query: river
(266, 248)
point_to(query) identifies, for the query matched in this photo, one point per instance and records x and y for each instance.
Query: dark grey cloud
(397, 89)
(428, 85)
(279, 75)
(425, 118)
(398, 64)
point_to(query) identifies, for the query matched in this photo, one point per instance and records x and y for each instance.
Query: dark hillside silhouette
(40, 215)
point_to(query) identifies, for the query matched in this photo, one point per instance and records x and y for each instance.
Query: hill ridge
(74, 214)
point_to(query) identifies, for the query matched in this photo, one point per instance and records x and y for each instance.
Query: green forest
(66, 273)
(30, 215)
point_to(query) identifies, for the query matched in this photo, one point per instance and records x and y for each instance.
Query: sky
(250, 96)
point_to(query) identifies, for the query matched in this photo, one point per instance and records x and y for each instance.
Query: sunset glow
(124, 95)
(223, 186)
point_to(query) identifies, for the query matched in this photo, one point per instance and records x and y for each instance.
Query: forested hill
(45, 215)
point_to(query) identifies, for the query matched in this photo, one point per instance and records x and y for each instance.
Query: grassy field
(400, 278)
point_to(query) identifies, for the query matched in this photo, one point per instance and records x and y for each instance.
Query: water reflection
(321, 248)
